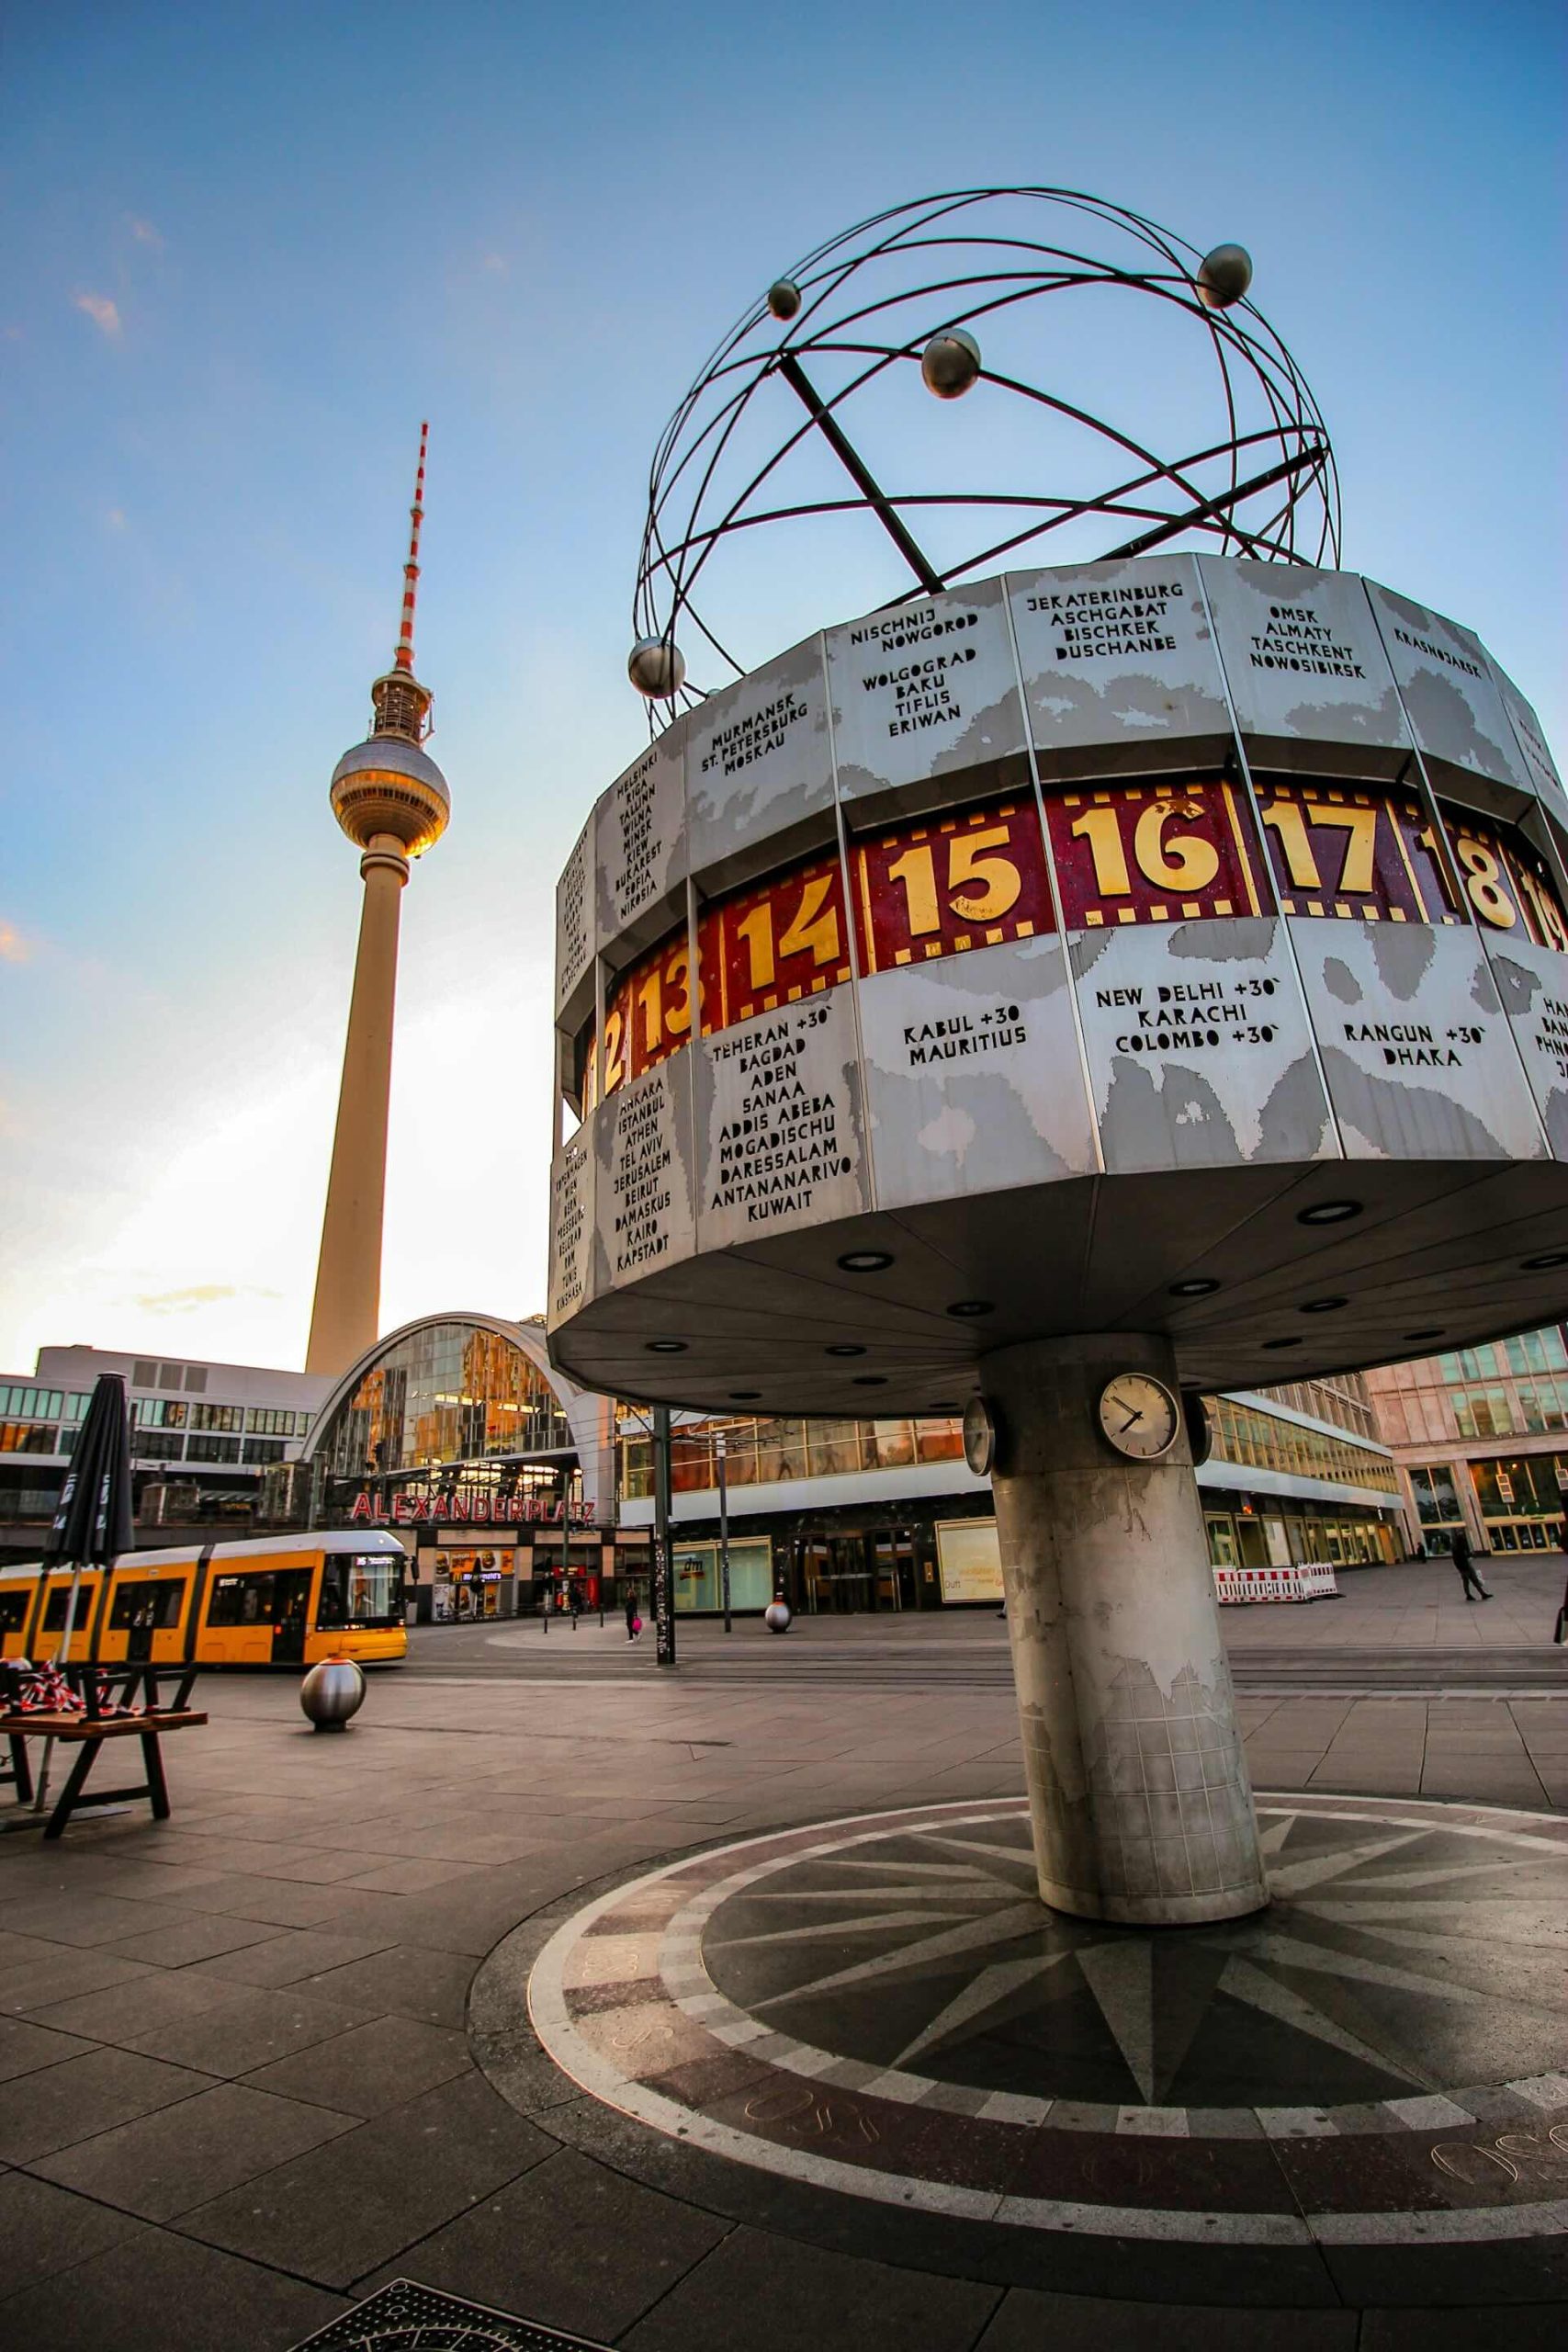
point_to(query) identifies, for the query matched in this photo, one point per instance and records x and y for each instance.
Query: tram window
(361, 1589)
(54, 1607)
(164, 1596)
(241, 1601)
(14, 1611)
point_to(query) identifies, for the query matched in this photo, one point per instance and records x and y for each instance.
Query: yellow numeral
(1362, 825)
(1483, 880)
(816, 924)
(757, 930)
(1286, 820)
(1186, 862)
(999, 878)
(1099, 828)
(915, 871)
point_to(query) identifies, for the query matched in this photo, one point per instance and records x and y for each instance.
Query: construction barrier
(1311, 1580)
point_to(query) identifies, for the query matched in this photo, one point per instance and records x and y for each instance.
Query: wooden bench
(94, 1728)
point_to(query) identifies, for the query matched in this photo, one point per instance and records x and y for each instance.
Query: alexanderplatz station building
(504, 1477)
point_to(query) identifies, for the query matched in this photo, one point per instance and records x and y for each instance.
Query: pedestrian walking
(634, 1623)
(1463, 1560)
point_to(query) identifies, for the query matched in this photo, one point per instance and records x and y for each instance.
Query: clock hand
(1136, 1416)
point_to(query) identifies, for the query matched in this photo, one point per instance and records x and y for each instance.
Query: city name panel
(1175, 943)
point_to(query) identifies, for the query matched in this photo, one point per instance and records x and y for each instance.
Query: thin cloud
(116, 519)
(144, 233)
(496, 263)
(14, 948)
(101, 311)
(186, 1301)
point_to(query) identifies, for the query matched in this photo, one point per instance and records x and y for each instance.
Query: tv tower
(390, 799)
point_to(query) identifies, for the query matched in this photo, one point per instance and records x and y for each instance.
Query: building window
(195, 1379)
(265, 1449)
(27, 1437)
(212, 1449)
(144, 1373)
(217, 1417)
(157, 1445)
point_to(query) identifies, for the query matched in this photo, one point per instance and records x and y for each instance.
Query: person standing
(1464, 1561)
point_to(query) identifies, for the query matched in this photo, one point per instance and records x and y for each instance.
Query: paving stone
(180, 2156)
(60, 2104)
(25, 2047)
(194, 1939)
(371, 2067)
(80, 1918)
(44, 2230)
(284, 1960)
(348, 2208)
(120, 2012)
(158, 2292)
(36, 1984)
(1511, 2328)
(1029, 2320)
(250, 2030)
(573, 2245)
(409, 1981)
(796, 2295)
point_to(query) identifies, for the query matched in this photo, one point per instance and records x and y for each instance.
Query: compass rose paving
(882, 2006)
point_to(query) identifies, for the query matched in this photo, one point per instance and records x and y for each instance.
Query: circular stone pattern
(882, 2005)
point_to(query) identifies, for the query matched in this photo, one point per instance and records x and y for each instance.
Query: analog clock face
(979, 1437)
(1139, 1416)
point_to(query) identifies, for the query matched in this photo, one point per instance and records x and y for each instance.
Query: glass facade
(1494, 1413)
(1256, 1441)
(765, 1452)
(445, 1393)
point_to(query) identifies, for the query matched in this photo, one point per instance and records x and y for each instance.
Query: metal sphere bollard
(332, 1692)
(776, 1617)
(1223, 277)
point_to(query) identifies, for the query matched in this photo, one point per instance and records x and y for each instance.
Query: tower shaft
(345, 1317)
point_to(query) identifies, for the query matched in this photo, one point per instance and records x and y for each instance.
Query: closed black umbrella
(92, 1525)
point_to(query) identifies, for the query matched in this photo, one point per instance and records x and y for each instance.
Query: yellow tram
(281, 1600)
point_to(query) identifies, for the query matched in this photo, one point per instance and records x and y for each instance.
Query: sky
(249, 248)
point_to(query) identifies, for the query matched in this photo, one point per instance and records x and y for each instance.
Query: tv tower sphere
(1131, 959)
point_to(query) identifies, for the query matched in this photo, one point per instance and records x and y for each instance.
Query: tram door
(291, 1610)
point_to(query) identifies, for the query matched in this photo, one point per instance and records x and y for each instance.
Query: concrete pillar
(345, 1317)
(1138, 1789)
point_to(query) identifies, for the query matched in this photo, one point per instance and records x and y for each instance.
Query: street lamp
(720, 1451)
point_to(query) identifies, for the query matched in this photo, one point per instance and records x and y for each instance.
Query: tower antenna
(404, 657)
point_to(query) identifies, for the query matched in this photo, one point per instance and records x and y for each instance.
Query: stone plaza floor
(816, 2081)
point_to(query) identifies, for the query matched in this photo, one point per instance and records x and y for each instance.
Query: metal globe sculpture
(777, 1617)
(1206, 431)
(333, 1693)
(1063, 986)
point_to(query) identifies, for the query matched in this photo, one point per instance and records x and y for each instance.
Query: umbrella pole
(62, 1658)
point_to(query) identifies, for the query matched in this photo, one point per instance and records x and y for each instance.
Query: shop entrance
(857, 1571)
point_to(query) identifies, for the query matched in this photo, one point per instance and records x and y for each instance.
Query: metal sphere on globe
(950, 363)
(1223, 277)
(657, 668)
(332, 1692)
(776, 1617)
(783, 297)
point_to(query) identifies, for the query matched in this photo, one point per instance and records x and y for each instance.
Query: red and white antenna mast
(404, 657)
